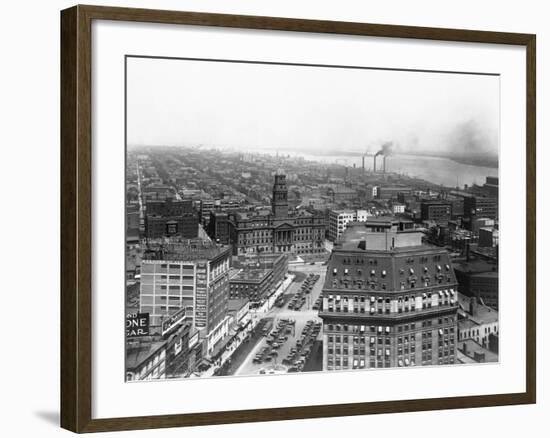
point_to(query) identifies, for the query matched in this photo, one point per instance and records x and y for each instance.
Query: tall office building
(388, 300)
(187, 274)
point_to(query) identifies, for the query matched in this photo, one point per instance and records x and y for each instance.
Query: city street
(306, 313)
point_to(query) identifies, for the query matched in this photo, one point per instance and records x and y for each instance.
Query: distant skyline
(264, 108)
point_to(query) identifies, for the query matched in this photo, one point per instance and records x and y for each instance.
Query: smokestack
(384, 164)
(375, 163)
(363, 162)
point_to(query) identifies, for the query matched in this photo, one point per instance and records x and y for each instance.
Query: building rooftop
(250, 275)
(475, 267)
(139, 353)
(474, 349)
(399, 269)
(480, 314)
(184, 250)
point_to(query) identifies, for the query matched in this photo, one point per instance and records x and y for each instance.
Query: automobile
(276, 345)
(257, 359)
(293, 369)
(267, 359)
(312, 263)
(288, 330)
(262, 371)
(274, 353)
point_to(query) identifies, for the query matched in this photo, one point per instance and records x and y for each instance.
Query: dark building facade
(392, 192)
(218, 227)
(171, 217)
(278, 231)
(478, 206)
(438, 211)
(388, 301)
(478, 279)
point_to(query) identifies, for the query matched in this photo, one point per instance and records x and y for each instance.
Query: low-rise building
(437, 211)
(477, 321)
(171, 218)
(478, 278)
(338, 221)
(488, 237)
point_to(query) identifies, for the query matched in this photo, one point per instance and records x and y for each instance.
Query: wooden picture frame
(76, 217)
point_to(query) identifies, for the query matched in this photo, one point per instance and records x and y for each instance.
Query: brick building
(171, 217)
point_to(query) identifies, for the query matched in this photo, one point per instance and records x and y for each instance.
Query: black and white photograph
(294, 218)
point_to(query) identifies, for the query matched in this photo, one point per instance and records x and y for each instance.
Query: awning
(424, 296)
(387, 329)
(400, 363)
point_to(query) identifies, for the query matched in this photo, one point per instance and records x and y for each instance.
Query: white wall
(29, 96)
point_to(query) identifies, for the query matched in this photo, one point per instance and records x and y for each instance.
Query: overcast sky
(281, 107)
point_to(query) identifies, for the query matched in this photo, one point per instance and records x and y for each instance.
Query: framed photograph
(271, 218)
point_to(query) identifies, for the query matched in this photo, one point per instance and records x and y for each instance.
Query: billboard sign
(137, 324)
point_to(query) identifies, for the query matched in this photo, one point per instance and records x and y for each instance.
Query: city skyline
(374, 245)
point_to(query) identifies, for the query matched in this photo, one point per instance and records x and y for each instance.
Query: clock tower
(279, 202)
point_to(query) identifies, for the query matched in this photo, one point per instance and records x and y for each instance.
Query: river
(433, 169)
